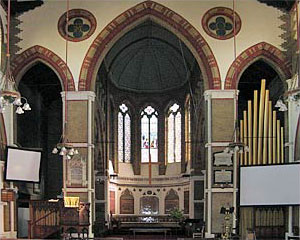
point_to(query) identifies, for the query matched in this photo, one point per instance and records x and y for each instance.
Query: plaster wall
(259, 23)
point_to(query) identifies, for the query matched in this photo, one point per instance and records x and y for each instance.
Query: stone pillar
(221, 116)
(78, 116)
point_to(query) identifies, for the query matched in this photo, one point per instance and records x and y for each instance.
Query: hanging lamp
(63, 147)
(9, 94)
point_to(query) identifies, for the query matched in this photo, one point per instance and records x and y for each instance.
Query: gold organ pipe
(245, 136)
(242, 140)
(278, 141)
(270, 134)
(254, 152)
(274, 137)
(282, 152)
(265, 134)
(260, 119)
(250, 132)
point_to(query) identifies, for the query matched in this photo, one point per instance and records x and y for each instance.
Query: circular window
(218, 23)
(80, 26)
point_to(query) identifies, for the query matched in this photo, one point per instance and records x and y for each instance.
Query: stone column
(78, 116)
(221, 116)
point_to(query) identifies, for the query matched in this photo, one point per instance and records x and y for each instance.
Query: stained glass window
(149, 136)
(174, 134)
(124, 134)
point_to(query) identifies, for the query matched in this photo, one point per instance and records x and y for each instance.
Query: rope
(8, 27)
(66, 74)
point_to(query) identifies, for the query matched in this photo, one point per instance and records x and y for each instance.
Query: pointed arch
(263, 50)
(29, 57)
(162, 15)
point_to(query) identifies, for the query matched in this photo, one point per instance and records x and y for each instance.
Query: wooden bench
(151, 230)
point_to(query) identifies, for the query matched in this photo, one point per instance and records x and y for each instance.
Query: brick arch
(261, 50)
(39, 53)
(169, 19)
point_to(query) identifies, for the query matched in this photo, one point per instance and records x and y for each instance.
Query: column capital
(78, 95)
(221, 94)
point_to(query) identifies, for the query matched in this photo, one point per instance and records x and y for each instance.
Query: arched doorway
(41, 127)
(257, 131)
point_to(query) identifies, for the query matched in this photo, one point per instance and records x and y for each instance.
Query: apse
(150, 117)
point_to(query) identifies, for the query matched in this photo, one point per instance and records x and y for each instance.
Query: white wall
(39, 27)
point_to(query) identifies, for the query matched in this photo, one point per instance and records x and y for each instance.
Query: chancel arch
(147, 84)
(163, 16)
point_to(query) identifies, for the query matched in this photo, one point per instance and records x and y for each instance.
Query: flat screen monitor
(270, 185)
(23, 164)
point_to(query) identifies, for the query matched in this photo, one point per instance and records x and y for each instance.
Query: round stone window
(80, 26)
(218, 23)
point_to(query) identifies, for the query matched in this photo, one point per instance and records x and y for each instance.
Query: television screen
(23, 164)
(270, 185)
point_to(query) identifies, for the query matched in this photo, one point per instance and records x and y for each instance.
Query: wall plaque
(222, 159)
(222, 176)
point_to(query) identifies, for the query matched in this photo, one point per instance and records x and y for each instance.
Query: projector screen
(270, 185)
(23, 164)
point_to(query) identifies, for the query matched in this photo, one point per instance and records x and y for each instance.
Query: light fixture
(236, 147)
(281, 105)
(64, 148)
(9, 95)
(291, 98)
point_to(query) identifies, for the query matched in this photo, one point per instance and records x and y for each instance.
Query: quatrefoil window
(219, 23)
(81, 25)
(221, 26)
(77, 28)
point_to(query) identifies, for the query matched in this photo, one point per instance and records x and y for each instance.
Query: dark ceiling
(281, 4)
(19, 6)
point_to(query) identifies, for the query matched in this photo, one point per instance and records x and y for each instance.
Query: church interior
(156, 119)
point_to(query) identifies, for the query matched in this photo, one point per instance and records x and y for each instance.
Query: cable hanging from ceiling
(63, 147)
(9, 94)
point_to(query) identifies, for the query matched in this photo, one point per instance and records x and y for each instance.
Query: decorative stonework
(76, 169)
(173, 21)
(80, 26)
(39, 53)
(218, 23)
(261, 50)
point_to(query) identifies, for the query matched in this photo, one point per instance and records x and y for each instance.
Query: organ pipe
(261, 131)
(270, 134)
(265, 133)
(260, 119)
(245, 136)
(250, 132)
(254, 154)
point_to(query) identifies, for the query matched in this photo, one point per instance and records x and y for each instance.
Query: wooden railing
(48, 218)
(44, 218)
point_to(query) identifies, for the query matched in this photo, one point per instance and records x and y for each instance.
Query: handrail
(43, 217)
(50, 217)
